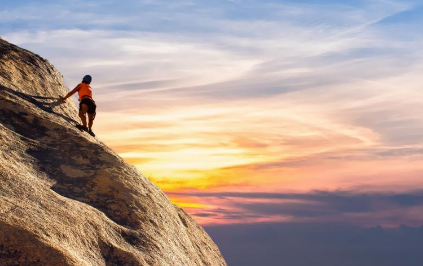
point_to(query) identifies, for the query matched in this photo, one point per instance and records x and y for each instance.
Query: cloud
(229, 57)
(347, 207)
(412, 15)
(306, 95)
(257, 96)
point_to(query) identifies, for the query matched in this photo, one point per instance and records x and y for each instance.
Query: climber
(86, 105)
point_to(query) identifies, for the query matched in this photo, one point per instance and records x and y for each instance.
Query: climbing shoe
(91, 132)
(82, 127)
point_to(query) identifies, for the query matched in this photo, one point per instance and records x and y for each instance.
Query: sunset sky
(247, 111)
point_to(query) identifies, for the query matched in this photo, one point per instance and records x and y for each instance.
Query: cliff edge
(65, 197)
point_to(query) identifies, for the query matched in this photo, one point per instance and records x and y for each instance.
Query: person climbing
(86, 104)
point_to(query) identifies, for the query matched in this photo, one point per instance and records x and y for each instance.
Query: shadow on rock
(39, 101)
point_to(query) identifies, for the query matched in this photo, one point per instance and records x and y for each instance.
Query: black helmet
(87, 79)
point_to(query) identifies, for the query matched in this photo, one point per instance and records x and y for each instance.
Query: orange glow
(186, 203)
(283, 143)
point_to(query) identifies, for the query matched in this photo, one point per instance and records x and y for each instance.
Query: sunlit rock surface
(65, 197)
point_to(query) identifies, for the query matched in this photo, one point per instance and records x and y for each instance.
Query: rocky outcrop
(65, 197)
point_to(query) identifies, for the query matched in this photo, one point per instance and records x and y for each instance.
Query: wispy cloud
(347, 207)
(244, 95)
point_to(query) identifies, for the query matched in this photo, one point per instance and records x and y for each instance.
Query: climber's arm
(70, 93)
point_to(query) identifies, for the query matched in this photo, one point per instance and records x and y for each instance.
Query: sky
(259, 118)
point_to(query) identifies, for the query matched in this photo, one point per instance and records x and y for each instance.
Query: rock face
(66, 198)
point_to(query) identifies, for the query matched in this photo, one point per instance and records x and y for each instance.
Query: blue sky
(263, 113)
(262, 36)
